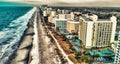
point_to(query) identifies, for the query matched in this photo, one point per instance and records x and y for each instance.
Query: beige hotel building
(72, 26)
(94, 32)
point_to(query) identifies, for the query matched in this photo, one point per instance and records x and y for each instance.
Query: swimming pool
(77, 48)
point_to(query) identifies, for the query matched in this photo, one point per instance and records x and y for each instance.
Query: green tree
(78, 55)
(87, 59)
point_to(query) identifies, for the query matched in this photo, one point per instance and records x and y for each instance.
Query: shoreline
(21, 55)
(34, 53)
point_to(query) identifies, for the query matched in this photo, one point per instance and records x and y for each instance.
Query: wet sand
(21, 55)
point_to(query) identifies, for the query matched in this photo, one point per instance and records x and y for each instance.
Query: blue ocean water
(3, 3)
(13, 23)
(7, 14)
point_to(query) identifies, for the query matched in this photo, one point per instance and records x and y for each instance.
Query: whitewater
(13, 34)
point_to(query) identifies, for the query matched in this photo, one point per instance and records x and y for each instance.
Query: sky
(82, 1)
(72, 2)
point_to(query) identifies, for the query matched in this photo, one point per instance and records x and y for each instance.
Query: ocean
(13, 23)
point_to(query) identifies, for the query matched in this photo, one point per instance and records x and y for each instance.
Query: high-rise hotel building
(72, 26)
(117, 56)
(94, 32)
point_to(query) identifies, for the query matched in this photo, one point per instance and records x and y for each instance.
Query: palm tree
(71, 47)
(78, 55)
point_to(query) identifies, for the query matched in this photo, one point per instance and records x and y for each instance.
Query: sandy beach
(34, 53)
(22, 54)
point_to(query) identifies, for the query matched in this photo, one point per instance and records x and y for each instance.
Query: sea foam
(10, 37)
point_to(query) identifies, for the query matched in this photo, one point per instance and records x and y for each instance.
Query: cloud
(82, 1)
(67, 1)
(75, 1)
(110, 3)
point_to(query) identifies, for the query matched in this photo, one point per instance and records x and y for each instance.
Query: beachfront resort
(51, 34)
(84, 36)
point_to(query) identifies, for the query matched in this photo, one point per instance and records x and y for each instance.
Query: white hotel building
(117, 56)
(97, 33)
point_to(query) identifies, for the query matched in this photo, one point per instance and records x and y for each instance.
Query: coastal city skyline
(59, 32)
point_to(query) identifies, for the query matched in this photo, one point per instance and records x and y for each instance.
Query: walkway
(59, 47)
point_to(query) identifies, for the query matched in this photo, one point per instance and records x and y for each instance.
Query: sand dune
(27, 41)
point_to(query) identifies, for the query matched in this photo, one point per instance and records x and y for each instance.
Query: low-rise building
(61, 16)
(50, 19)
(45, 13)
(72, 15)
(49, 10)
(61, 24)
(64, 16)
(53, 13)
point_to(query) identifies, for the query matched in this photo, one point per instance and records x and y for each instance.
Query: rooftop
(73, 21)
(61, 19)
(99, 20)
(103, 19)
(86, 19)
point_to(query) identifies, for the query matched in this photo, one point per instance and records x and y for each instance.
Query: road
(59, 47)
(45, 56)
(46, 49)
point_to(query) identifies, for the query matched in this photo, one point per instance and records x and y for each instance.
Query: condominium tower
(117, 56)
(94, 32)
